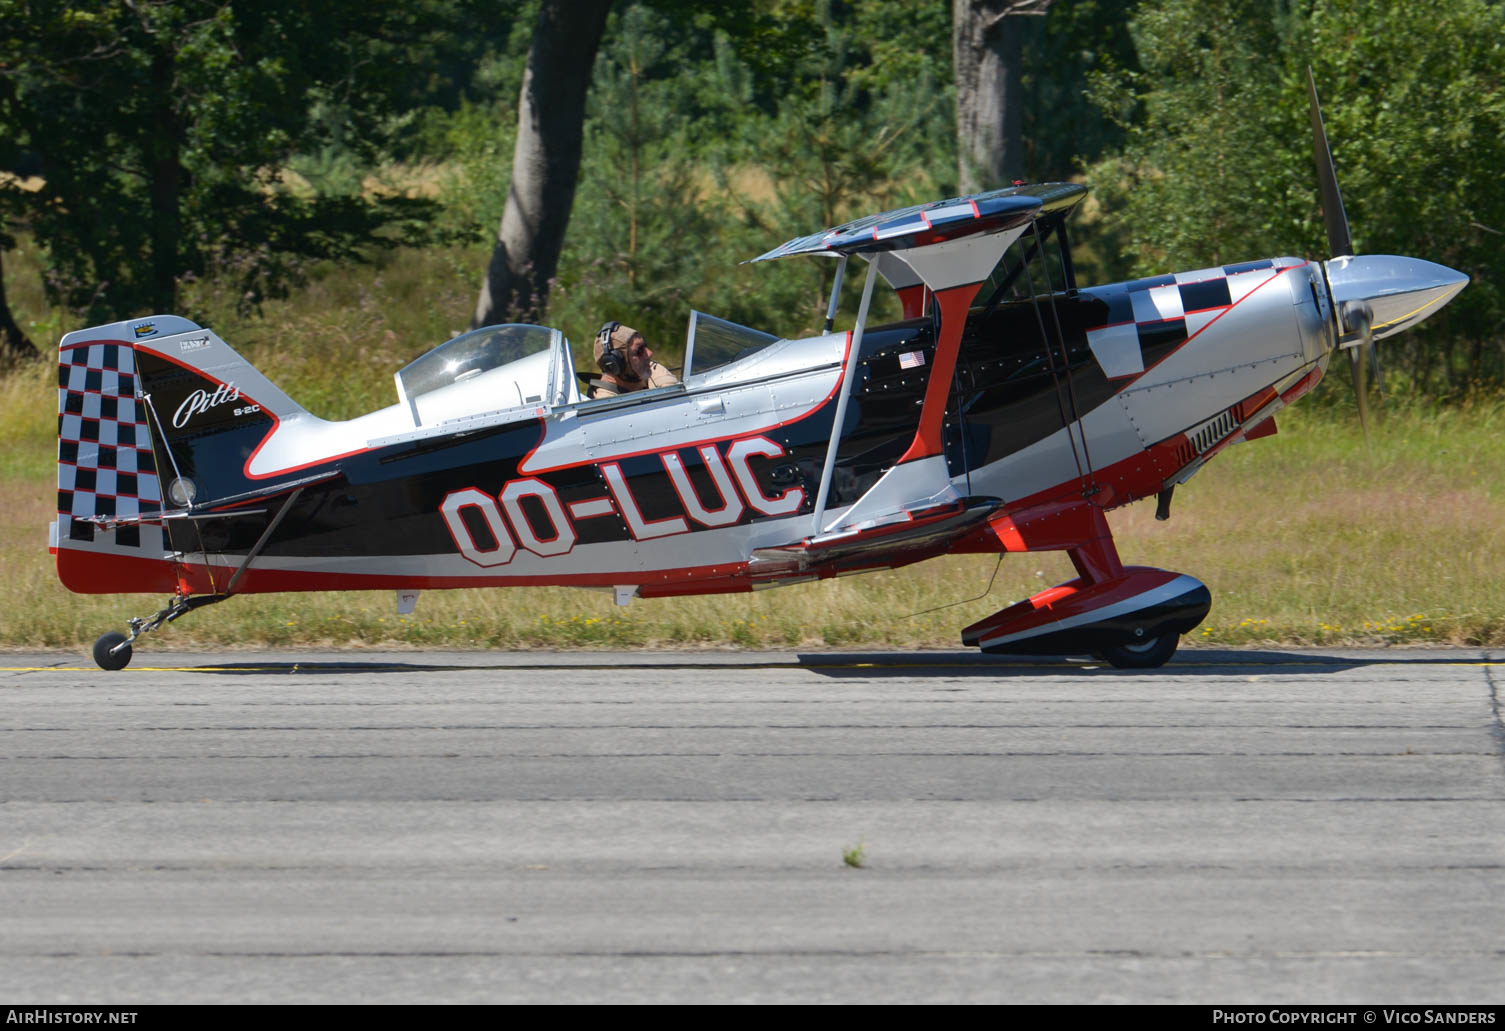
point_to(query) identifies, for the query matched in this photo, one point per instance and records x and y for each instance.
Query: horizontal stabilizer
(232, 507)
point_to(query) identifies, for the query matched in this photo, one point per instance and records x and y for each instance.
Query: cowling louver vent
(1212, 431)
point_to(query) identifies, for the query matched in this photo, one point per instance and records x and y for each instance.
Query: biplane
(1008, 410)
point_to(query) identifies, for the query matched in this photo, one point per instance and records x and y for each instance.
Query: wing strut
(906, 284)
(938, 253)
(953, 305)
(854, 349)
(841, 271)
(953, 271)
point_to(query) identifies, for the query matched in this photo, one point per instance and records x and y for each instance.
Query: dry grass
(1303, 539)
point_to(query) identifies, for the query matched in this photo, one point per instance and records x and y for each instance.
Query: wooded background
(599, 159)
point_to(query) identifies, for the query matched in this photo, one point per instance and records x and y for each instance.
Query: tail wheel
(103, 651)
(1146, 654)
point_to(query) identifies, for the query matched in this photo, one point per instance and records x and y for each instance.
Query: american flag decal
(911, 359)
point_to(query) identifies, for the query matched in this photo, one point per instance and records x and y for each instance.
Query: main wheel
(1145, 654)
(102, 654)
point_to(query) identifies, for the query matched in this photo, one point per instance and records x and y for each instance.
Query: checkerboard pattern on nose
(1153, 316)
(105, 463)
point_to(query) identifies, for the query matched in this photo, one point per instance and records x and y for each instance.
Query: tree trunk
(14, 344)
(985, 44)
(545, 163)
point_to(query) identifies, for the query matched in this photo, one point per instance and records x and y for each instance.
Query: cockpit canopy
(494, 368)
(500, 368)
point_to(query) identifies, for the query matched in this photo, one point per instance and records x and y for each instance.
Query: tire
(102, 655)
(1146, 654)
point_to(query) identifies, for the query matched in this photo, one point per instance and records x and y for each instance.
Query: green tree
(846, 137)
(161, 128)
(14, 343)
(1063, 128)
(715, 133)
(636, 239)
(1217, 166)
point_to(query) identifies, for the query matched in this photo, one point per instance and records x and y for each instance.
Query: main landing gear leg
(1131, 617)
(1097, 560)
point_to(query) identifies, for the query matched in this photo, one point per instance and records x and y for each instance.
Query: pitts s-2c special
(1008, 411)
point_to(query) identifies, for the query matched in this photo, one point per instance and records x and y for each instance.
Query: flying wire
(1050, 358)
(1065, 357)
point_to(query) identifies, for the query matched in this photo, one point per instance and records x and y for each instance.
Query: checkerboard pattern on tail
(105, 463)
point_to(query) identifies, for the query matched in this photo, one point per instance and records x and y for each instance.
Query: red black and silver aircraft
(1009, 410)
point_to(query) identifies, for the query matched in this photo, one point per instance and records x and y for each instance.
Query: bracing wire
(1055, 316)
(1050, 358)
(952, 604)
(997, 296)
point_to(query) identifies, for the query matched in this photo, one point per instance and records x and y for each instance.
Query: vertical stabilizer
(106, 470)
(155, 416)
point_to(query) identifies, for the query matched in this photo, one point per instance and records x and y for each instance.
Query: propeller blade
(1358, 358)
(1339, 241)
(1359, 318)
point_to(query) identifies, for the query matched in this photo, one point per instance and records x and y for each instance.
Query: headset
(612, 361)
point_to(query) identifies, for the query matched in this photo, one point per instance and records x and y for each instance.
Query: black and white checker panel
(105, 464)
(1167, 310)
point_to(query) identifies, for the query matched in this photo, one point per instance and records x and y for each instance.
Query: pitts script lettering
(201, 401)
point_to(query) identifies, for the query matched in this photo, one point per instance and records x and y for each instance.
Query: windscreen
(715, 342)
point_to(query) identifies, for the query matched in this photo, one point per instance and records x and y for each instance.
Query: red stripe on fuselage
(94, 572)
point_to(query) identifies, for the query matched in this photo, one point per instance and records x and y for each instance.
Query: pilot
(626, 363)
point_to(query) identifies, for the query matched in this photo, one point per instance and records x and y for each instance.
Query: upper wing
(923, 224)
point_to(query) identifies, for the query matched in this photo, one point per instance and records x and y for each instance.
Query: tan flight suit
(658, 376)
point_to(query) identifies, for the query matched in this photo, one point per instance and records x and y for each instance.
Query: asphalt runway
(1241, 826)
